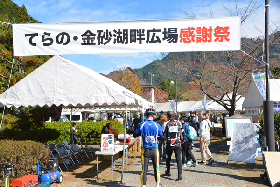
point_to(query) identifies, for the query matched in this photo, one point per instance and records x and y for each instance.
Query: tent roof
(60, 81)
(184, 106)
(253, 97)
(165, 107)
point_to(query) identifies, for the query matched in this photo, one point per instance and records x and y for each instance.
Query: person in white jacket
(204, 135)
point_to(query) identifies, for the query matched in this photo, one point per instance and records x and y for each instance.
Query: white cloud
(107, 71)
(123, 65)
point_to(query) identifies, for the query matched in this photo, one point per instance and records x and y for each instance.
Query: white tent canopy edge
(62, 82)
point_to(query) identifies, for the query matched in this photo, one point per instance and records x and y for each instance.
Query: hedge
(276, 129)
(22, 154)
(56, 132)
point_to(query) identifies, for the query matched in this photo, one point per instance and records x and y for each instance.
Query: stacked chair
(69, 149)
(66, 153)
(86, 148)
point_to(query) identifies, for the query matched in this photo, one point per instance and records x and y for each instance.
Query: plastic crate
(25, 181)
(44, 185)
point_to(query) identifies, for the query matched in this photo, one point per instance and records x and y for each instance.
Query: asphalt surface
(217, 174)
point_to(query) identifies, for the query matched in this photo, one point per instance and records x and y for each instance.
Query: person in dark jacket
(187, 145)
(162, 143)
(105, 130)
(135, 122)
(173, 132)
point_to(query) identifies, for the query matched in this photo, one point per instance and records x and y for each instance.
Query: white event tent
(62, 82)
(254, 98)
(186, 106)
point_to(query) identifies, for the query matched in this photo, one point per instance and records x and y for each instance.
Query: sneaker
(194, 164)
(211, 160)
(189, 162)
(202, 163)
(180, 177)
(167, 173)
(159, 185)
(192, 145)
(184, 165)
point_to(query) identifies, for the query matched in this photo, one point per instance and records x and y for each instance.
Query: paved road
(217, 174)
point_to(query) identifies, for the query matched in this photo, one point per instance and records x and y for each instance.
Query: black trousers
(187, 152)
(169, 151)
(73, 138)
(146, 154)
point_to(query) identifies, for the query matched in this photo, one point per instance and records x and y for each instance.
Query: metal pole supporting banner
(268, 119)
(268, 115)
(267, 50)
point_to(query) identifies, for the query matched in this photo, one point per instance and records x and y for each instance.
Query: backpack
(173, 130)
(191, 133)
(211, 129)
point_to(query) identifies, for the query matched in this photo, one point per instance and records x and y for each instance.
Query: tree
(127, 79)
(165, 85)
(13, 69)
(276, 72)
(160, 96)
(193, 92)
(226, 80)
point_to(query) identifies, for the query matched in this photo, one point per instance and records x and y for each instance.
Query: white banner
(199, 34)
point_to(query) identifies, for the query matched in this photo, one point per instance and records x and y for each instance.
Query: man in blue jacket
(187, 145)
(150, 131)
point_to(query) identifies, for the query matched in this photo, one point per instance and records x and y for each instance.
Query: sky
(52, 11)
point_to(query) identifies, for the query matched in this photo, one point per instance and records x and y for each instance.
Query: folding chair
(53, 152)
(70, 150)
(75, 148)
(63, 154)
(51, 148)
(86, 148)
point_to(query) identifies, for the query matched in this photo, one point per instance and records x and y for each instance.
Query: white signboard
(198, 34)
(107, 143)
(229, 121)
(251, 111)
(244, 142)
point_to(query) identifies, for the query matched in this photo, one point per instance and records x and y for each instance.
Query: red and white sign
(198, 34)
(107, 143)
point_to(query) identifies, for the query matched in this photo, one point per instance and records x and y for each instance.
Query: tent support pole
(8, 88)
(71, 114)
(125, 124)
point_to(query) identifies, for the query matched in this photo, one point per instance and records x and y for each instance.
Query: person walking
(149, 131)
(162, 143)
(204, 136)
(135, 121)
(73, 130)
(173, 131)
(187, 145)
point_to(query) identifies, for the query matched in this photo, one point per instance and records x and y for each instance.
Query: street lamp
(152, 75)
(172, 83)
(152, 89)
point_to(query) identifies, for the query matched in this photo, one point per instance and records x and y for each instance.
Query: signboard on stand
(107, 143)
(229, 121)
(244, 142)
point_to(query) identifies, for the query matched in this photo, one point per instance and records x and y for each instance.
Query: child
(72, 133)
